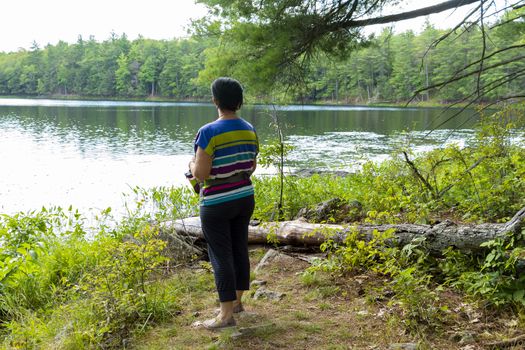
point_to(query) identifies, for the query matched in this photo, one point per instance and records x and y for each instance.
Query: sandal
(214, 323)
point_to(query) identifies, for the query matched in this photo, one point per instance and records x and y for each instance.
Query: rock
(258, 283)
(333, 210)
(263, 293)
(352, 211)
(284, 260)
(467, 338)
(403, 346)
(463, 337)
(270, 254)
(468, 347)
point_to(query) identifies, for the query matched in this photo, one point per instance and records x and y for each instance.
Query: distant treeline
(389, 69)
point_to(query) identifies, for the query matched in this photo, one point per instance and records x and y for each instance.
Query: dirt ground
(351, 312)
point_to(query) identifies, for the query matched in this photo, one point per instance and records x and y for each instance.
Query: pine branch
(447, 5)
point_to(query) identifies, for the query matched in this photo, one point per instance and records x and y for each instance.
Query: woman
(225, 157)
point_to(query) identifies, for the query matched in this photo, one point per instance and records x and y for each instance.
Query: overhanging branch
(447, 5)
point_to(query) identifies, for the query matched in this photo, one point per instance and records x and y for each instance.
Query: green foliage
(494, 276)
(408, 269)
(310, 50)
(114, 67)
(119, 292)
(271, 152)
(356, 252)
(69, 286)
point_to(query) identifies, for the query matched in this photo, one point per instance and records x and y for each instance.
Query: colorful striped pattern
(233, 146)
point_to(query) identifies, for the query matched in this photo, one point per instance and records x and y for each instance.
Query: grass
(333, 313)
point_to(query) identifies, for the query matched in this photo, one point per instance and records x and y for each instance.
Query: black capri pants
(225, 227)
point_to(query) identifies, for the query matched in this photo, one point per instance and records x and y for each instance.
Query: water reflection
(88, 153)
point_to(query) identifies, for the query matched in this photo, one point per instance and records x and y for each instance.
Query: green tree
(406, 75)
(425, 54)
(277, 37)
(123, 76)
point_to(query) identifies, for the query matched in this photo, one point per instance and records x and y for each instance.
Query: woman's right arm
(201, 166)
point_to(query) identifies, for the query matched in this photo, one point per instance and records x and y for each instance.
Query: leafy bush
(71, 286)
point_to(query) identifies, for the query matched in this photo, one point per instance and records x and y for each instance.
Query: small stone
(403, 346)
(361, 279)
(468, 347)
(270, 254)
(463, 338)
(362, 313)
(382, 312)
(263, 293)
(258, 283)
(467, 338)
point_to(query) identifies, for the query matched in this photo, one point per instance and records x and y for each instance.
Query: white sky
(48, 21)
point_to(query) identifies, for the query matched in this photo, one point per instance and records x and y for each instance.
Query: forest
(387, 68)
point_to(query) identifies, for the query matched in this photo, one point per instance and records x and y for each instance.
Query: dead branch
(418, 174)
(483, 50)
(500, 81)
(466, 238)
(447, 5)
(509, 343)
(484, 69)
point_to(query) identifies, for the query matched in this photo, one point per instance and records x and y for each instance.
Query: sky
(47, 21)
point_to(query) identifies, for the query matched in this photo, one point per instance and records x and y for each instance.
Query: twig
(519, 340)
(486, 68)
(492, 85)
(418, 174)
(507, 21)
(483, 50)
(492, 54)
(146, 322)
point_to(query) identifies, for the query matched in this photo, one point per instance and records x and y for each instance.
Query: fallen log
(467, 238)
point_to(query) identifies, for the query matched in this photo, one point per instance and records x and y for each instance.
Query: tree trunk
(466, 238)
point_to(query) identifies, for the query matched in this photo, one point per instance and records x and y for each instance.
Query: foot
(215, 323)
(237, 308)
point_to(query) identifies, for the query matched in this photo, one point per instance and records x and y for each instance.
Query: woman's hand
(200, 165)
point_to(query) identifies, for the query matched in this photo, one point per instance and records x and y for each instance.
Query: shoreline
(258, 102)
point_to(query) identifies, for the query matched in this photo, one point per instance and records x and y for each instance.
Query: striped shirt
(233, 146)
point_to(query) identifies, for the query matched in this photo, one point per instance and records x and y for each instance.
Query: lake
(88, 153)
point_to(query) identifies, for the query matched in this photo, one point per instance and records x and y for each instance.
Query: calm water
(87, 154)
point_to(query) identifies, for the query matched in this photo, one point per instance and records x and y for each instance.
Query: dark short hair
(228, 93)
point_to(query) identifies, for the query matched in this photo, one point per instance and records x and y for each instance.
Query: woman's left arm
(200, 167)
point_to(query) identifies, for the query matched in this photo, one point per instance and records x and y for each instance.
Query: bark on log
(438, 237)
